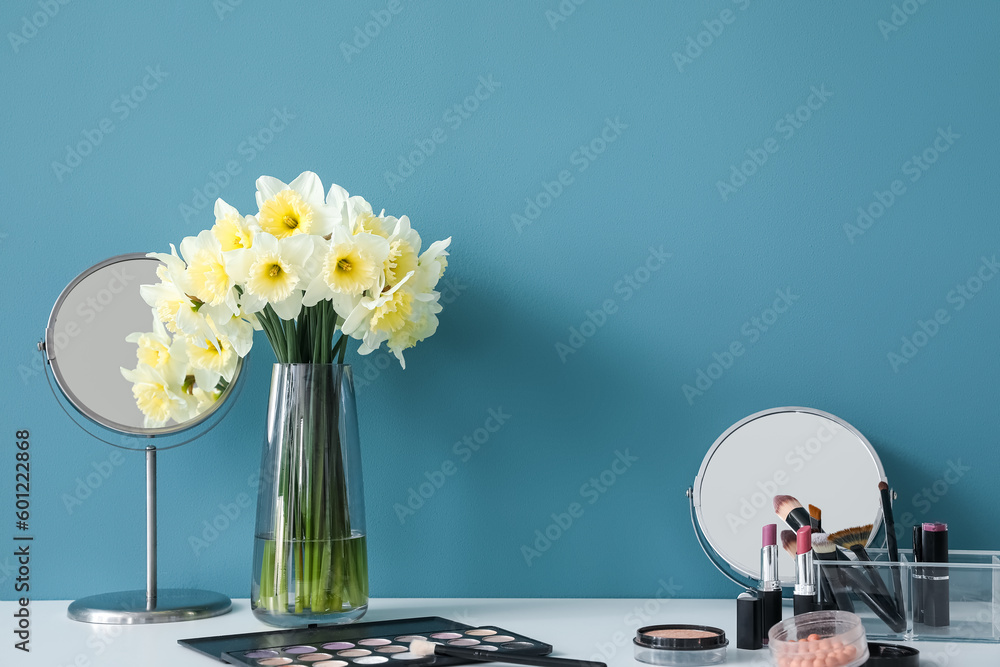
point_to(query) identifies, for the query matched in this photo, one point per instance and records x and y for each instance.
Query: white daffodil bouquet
(311, 271)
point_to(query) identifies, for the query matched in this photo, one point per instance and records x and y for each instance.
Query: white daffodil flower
(204, 399)
(296, 208)
(274, 272)
(159, 395)
(430, 267)
(209, 360)
(159, 351)
(233, 230)
(423, 322)
(206, 274)
(349, 265)
(404, 250)
(375, 317)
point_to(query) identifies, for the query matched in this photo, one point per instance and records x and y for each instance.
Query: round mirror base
(131, 608)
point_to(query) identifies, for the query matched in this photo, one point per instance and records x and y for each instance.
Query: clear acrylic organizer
(972, 590)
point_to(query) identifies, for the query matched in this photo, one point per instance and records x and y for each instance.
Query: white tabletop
(577, 628)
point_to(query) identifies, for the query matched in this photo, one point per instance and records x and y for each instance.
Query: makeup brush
(832, 577)
(423, 647)
(788, 542)
(816, 519)
(890, 542)
(855, 539)
(791, 512)
(849, 576)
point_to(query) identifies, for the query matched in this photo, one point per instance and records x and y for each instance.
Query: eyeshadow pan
(374, 642)
(447, 635)
(486, 647)
(498, 639)
(408, 656)
(313, 657)
(338, 646)
(518, 645)
(371, 660)
(300, 649)
(261, 654)
(391, 649)
(480, 632)
(406, 639)
(465, 641)
(275, 661)
(354, 652)
(331, 663)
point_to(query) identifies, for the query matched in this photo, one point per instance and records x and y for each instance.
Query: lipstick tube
(770, 583)
(934, 582)
(805, 577)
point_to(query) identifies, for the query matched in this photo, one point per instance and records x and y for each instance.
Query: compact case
(381, 642)
(680, 645)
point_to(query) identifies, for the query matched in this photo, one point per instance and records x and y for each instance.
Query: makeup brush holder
(964, 593)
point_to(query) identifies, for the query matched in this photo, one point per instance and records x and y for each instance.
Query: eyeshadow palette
(378, 643)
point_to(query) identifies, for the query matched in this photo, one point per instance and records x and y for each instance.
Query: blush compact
(678, 644)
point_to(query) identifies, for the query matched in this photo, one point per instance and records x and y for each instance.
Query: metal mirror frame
(732, 571)
(53, 362)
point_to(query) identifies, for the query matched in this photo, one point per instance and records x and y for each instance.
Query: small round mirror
(91, 337)
(813, 456)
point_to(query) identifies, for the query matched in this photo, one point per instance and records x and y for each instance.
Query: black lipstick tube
(934, 583)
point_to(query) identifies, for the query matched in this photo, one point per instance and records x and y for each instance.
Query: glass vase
(310, 557)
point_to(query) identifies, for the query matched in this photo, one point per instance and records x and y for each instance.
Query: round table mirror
(813, 456)
(86, 346)
(91, 345)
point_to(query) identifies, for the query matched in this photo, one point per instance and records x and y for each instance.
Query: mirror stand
(152, 605)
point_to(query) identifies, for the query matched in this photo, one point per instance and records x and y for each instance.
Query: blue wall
(647, 124)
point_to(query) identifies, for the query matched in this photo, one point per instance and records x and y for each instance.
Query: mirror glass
(811, 455)
(91, 337)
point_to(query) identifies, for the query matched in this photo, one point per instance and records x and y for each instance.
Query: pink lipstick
(770, 584)
(805, 576)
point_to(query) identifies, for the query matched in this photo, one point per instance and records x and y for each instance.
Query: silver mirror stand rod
(150, 527)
